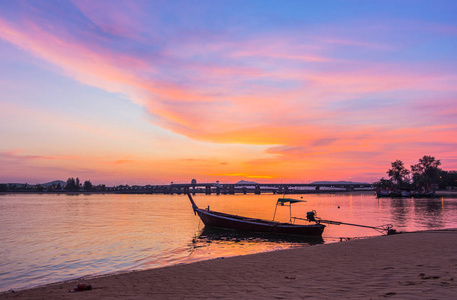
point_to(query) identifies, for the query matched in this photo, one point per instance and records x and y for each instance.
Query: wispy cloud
(246, 175)
(333, 93)
(17, 157)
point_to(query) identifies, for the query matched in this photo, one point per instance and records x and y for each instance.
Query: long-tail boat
(228, 221)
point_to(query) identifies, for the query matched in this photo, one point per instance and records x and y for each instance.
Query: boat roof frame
(286, 202)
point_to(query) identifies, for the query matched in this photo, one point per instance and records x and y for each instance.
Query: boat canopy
(288, 200)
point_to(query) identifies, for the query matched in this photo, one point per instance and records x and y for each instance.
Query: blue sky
(158, 91)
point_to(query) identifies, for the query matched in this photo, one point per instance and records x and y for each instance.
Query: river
(47, 238)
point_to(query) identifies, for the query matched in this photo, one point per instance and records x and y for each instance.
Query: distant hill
(48, 184)
(246, 182)
(55, 182)
(338, 182)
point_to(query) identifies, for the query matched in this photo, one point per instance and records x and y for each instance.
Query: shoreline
(419, 265)
(439, 193)
(200, 192)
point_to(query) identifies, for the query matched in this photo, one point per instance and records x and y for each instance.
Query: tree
(72, 184)
(448, 179)
(88, 185)
(101, 187)
(3, 188)
(383, 184)
(426, 172)
(398, 174)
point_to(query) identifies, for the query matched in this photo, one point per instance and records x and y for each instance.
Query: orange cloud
(246, 175)
(311, 109)
(196, 113)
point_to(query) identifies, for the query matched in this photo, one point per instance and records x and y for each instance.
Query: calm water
(48, 238)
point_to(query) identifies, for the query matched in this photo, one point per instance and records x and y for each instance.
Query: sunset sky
(148, 92)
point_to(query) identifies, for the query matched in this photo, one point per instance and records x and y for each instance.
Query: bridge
(233, 188)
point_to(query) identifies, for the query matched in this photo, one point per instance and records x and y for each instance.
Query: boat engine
(311, 216)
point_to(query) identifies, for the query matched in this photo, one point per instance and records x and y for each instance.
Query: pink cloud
(17, 156)
(101, 67)
(293, 95)
(122, 19)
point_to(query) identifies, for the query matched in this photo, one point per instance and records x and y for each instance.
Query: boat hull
(221, 220)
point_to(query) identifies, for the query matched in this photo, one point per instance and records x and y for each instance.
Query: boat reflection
(212, 234)
(211, 243)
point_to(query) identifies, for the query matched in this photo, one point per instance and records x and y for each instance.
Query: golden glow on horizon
(244, 175)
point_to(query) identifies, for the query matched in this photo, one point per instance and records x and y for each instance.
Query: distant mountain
(55, 182)
(48, 184)
(338, 182)
(246, 182)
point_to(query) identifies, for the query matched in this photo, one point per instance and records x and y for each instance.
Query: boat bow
(194, 206)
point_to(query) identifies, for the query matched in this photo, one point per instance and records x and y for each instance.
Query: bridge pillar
(208, 190)
(257, 189)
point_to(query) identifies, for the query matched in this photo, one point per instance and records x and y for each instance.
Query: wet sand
(420, 265)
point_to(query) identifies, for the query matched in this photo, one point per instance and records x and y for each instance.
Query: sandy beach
(421, 265)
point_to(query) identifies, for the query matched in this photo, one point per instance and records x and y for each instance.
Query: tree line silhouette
(425, 174)
(72, 185)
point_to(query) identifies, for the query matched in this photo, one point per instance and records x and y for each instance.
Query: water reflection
(430, 212)
(47, 238)
(422, 213)
(399, 209)
(218, 242)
